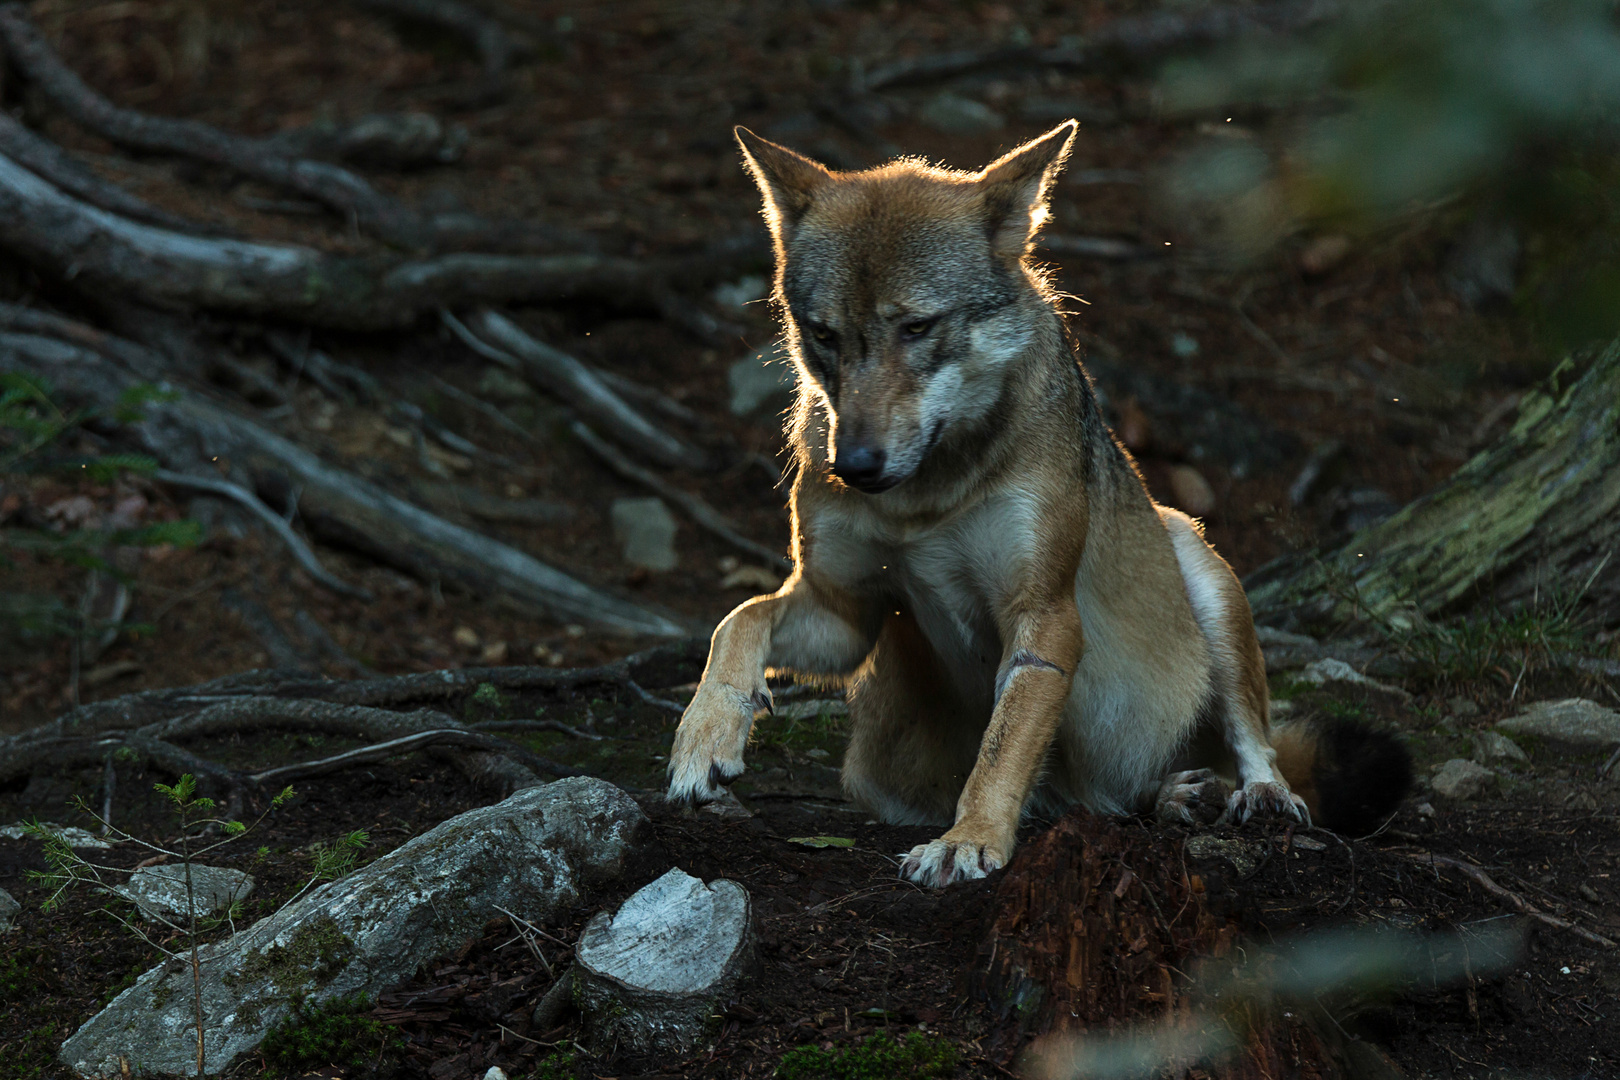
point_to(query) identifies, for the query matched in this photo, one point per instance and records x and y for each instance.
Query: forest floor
(620, 125)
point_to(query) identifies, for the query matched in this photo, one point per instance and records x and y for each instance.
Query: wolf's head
(904, 291)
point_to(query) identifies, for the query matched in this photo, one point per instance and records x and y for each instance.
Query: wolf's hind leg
(1243, 704)
(909, 751)
(803, 627)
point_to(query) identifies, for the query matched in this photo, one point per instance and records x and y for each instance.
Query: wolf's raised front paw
(708, 751)
(938, 863)
(1193, 797)
(1264, 799)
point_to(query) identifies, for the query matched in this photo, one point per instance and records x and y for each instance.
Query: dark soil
(620, 126)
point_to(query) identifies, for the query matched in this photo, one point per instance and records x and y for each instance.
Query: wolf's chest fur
(951, 574)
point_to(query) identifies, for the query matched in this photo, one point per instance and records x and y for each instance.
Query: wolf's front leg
(1032, 684)
(805, 627)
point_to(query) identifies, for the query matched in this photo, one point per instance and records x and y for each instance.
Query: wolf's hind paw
(1265, 799)
(1193, 797)
(939, 863)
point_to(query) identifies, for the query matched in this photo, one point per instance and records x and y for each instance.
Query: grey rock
(1461, 706)
(646, 528)
(160, 891)
(75, 836)
(8, 910)
(1576, 721)
(762, 382)
(1494, 746)
(649, 977)
(1461, 780)
(953, 114)
(536, 853)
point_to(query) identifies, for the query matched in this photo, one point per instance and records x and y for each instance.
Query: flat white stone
(654, 975)
(161, 890)
(675, 936)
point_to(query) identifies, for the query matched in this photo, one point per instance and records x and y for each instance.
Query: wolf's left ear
(788, 181)
(1015, 188)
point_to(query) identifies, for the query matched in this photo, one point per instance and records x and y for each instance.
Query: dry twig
(1519, 903)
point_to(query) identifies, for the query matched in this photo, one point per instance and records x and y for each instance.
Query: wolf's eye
(821, 334)
(916, 327)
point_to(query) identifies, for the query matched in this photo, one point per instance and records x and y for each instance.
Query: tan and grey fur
(1021, 625)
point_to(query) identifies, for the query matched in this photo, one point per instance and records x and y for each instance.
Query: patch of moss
(315, 954)
(916, 1057)
(334, 1032)
(557, 1065)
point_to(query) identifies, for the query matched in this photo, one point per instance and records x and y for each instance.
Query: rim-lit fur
(1020, 624)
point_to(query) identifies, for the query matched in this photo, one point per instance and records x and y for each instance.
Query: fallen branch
(1519, 903)
(578, 385)
(335, 503)
(706, 516)
(301, 551)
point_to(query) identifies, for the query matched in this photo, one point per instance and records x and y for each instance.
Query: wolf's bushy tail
(1351, 775)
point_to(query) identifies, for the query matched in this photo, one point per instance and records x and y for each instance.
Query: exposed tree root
(49, 161)
(185, 433)
(301, 551)
(330, 185)
(498, 338)
(157, 724)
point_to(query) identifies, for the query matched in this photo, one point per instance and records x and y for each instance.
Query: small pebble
(466, 637)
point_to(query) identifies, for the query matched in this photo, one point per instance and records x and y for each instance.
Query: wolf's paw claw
(1263, 799)
(939, 863)
(707, 755)
(1194, 797)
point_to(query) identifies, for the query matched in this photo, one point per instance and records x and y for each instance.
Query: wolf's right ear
(787, 180)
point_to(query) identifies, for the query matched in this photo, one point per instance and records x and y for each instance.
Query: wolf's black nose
(859, 465)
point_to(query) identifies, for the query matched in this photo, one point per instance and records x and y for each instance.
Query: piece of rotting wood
(655, 976)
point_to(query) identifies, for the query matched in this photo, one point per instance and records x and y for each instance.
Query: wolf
(1021, 627)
